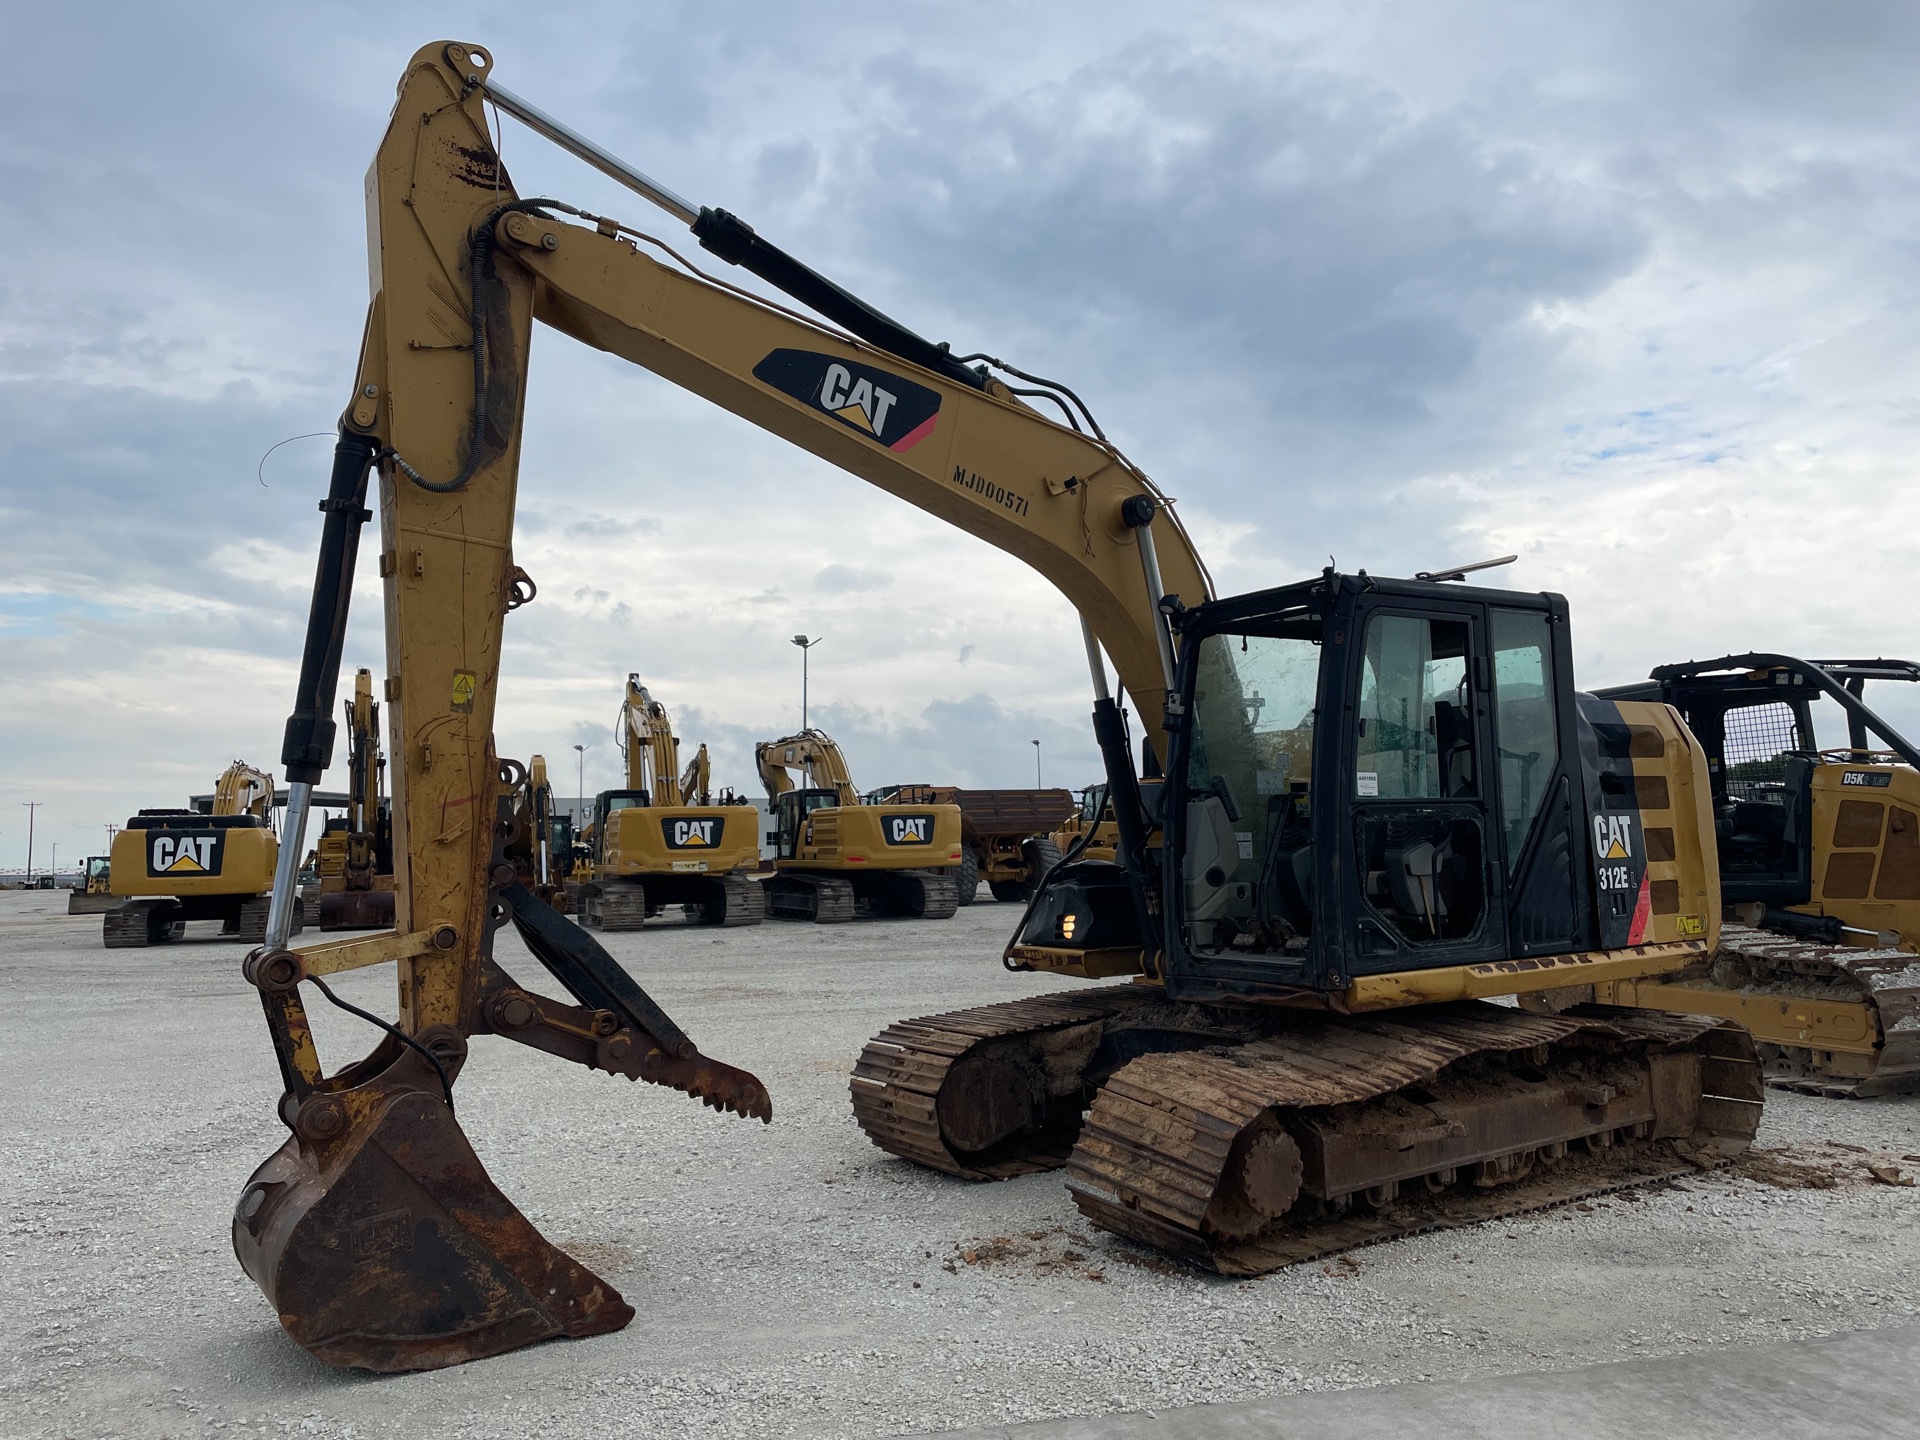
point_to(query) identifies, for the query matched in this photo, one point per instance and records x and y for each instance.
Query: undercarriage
(1246, 1140)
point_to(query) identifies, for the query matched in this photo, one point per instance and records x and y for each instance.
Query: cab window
(1415, 716)
(1527, 732)
(1248, 863)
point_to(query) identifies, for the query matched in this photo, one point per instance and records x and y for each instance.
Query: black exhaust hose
(1129, 815)
(734, 241)
(308, 749)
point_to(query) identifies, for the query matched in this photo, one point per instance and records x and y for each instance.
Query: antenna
(1460, 572)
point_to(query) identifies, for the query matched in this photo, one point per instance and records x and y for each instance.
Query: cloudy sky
(1627, 289)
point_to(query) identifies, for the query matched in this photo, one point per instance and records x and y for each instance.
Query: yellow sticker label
(1690, 925)
(464, 684)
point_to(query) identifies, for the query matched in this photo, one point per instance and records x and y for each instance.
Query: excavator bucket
(385, 1246)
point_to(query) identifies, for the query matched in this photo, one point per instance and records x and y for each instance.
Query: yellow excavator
(659, 842)
(1819, 852)
(168, 867)
(355, 854)
(1384, 803)
(541, 845)
(1006, 836)
(835, 856)
(696, 782)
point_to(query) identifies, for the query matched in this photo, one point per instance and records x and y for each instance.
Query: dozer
(168, 867)
(355, 853)
(93, 892)
(1819, 852)
(654, 846)
(837, 856)
(1384, 803)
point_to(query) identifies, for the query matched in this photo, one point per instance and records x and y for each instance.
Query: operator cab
(1372, 775)
(791, 809)
(605, 804)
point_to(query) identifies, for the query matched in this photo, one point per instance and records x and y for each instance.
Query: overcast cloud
(1626, 289)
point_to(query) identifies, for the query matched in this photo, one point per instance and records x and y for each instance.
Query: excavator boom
(815, 755)
(651, 748)
(243, 790)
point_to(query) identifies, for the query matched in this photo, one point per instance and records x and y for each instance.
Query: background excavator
(654, 845)
(172, 866)
(1006, 836)
(355, 853)
(1819, 849)
(837, 856)
(1383, 801)
(543, 852)
(696, 782)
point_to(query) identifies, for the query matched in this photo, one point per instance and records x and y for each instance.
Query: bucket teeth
(718, 1086)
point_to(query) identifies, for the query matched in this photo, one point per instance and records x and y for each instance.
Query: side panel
(680, 839)
(1866, 841)
(881, 837)
(187, 862)
(1649, 841)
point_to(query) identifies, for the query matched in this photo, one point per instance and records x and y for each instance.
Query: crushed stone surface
(793, 1280)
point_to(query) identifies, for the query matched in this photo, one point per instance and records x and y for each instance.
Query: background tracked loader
(1383, 802)
(1819, 848)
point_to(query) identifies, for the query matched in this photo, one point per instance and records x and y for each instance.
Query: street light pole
(580, 784)
(32, 807)
(1036, 767)
(805, 645)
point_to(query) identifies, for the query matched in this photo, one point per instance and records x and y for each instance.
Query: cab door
(1424, 884)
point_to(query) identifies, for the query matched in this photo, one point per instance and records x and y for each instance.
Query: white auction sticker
(1369, 783)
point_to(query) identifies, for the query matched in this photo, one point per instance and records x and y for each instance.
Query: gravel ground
(794, 1280)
